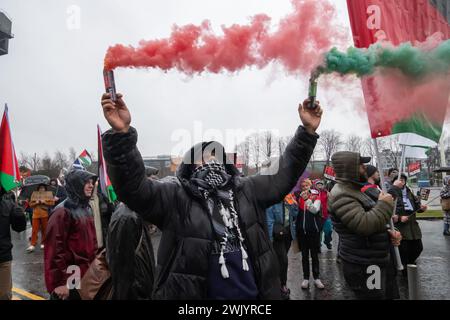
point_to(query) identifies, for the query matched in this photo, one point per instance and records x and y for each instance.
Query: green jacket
(351, 206)
(354, 208)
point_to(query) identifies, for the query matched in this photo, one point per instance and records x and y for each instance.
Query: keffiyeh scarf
(212, 180)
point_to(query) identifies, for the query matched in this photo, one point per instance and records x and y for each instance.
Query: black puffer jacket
(130, 255)
(11, 216)
(360, 222)
(187, 238)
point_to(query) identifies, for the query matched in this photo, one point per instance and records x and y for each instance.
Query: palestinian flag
(105, 184)
(85, 158)
(83, 161)
(9, 167)
(399, 22)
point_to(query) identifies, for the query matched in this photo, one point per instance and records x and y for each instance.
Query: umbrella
(442, 169)
(31, 184)
(36, 180)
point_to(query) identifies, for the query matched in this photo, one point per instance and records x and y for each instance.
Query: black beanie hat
(370, 170)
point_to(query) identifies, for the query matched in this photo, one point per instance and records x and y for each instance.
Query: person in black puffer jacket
(215, 243)
(130, 253)
(362, 226)
(11, 216)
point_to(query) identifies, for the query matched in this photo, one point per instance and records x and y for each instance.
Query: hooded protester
(281, 226)
(11, 217)
(71, 238)
(445, 201)
(130, 253)
(215, 243)
(362, 225)
(405, 221)
(41, 209)
(309, 226)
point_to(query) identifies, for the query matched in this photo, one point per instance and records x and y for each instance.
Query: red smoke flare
(296, 44)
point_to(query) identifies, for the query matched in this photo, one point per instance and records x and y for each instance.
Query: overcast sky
(52, 77)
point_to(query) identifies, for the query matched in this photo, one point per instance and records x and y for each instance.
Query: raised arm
(357, 220)
(126, 168)
(271, 187)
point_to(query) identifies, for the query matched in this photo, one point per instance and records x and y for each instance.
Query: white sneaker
(319, 284)
(42, 246)
(305, 284)
(30, 249)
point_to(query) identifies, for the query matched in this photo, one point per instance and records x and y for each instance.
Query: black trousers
(356, 277)
(281, 246)
(410, 250)
(309, 244)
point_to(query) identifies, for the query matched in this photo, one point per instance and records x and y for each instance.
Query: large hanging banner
(394, 103)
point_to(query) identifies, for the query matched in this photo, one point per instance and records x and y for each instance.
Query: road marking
(27, 294)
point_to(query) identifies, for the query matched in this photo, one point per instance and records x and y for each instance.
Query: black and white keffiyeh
(212, 181)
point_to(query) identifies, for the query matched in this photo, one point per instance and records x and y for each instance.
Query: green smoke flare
(411, 61)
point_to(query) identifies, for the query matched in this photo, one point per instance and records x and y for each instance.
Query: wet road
(433, 268)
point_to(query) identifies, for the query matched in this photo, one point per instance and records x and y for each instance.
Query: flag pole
(383, 186)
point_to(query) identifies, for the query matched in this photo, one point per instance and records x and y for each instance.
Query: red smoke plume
(297, 44)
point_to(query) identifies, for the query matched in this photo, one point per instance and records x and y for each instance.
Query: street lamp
(5, 33)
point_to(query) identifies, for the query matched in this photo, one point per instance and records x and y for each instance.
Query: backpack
(445, 203)
(96, 284)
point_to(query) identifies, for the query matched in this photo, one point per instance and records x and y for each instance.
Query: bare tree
(60, 160)
(330, 141)
(391, 150)
(35, 162)
(282, 144)
(267, 140)
(353, 143)
(446, 143)
(47, 163)
(72, 155)
(368, 149)
(243, 150)
(25, 160)
(255, 150)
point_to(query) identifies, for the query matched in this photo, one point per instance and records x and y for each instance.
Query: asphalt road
(433, 269)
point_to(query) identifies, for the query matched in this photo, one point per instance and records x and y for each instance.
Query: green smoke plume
(411, 61)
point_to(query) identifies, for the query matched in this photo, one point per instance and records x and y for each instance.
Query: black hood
(187, 166)
(75, 182)
(346, 165)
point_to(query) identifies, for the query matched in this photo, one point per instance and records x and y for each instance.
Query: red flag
(105, 184)
(9, 167)
(398, 22)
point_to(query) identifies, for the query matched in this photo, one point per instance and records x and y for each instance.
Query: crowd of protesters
(224, 235)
